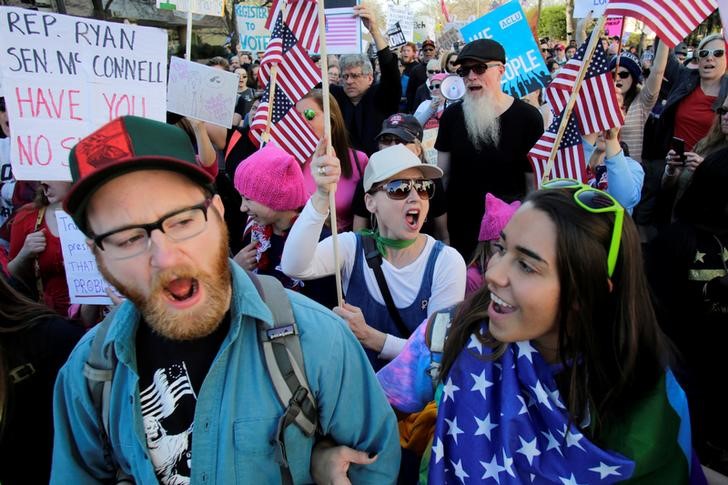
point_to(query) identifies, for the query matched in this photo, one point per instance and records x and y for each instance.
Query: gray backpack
(283, 358)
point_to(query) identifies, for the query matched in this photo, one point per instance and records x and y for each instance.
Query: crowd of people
(488, 331)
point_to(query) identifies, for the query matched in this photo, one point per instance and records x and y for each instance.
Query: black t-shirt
(245, 101)
(438, 206)
(170, 377)
(473, 173)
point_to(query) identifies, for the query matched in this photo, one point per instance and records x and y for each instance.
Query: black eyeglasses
(621, 74)
(430, 71)
(399, 189)
(390, 140)
(434, 86)
(721, 111)
(703, 53)
(478, 69)
(130, 241)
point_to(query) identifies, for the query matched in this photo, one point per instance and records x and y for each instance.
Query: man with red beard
(191, 399)
(483, 143)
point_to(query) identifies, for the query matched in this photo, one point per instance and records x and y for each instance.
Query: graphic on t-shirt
(168, 407)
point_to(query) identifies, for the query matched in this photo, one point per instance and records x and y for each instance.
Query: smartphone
(678, 145)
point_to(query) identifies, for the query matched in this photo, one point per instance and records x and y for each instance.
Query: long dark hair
(17, 313)
(339, 134)
(610, 344)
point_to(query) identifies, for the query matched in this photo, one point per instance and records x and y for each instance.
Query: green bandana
(382, 242)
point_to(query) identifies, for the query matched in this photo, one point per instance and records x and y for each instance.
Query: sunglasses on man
(703, 53)
(478, 69)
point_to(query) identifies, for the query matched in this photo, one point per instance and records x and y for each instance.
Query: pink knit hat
(497, 214)
(273, 178)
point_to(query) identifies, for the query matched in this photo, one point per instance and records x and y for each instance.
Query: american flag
(297, 73)
(569, 162)
(596, 106)
(341, 29)
(301, 16)
(503, 421)
(671, 20)
(288, 128)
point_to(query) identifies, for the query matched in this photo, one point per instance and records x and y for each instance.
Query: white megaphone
(452, 87)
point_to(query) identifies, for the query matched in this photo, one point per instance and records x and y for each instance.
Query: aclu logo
(510, 20)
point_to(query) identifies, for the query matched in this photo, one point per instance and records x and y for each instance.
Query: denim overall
(376, 314)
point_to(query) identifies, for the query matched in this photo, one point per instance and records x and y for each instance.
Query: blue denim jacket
(237, 408)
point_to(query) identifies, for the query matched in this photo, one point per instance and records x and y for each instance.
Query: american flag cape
(671, 20)
(301, 16)
(288, 128)
(296, 72)
(596, 106)
(570, 161)
(503, 421)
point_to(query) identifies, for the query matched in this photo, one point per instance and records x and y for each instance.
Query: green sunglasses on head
(595, 201)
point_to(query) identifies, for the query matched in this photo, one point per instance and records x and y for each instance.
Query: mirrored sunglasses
(399, 189)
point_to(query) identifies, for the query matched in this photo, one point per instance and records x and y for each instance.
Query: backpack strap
(99, 372)
(438, 326)
(284, 360)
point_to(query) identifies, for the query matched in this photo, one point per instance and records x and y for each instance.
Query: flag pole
(593, 41)
(271, 99)
(188, 46)
(619, 50)
(327, 134)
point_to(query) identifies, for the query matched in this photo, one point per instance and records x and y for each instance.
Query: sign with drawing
(201, 92)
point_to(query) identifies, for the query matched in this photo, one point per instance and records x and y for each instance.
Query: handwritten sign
(202, 7)
(85, 283)
(423, 28)
(201, 92)
(525, 68)
(65, 76)
(583, 7)
(396, 37)
(613, 26)
(429, 137)
(403, 15)
(251, 19)
(448, 38)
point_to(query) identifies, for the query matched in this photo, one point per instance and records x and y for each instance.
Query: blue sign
(525, 68)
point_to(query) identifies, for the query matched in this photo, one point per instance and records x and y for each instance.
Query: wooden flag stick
(271, 100)
(619, 47)
(593, 41)
(188, 46)
(329, 150)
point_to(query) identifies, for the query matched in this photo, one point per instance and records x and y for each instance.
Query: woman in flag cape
(556, 371)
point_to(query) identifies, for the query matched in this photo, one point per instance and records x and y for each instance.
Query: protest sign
(403, 15)
(396, 37)
(202, 92)
(85, 283)
(723, 9)
(429, 137)
(613, 26)
(202, 7)
(525, 68)
(343, 30)
(251, 19)
(423, 29)
(583, 7)
(65, 76)
(448, 38)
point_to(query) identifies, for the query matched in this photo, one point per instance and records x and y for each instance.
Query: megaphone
(452, 87)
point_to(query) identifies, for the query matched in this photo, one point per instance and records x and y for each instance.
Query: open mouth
(412, 218)
(475, 88)
(182, 289)
(618, 85)
(500, 305)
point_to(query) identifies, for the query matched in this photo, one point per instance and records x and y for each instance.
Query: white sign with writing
(583, 7)
(202, 92)
(429, 137)
(448, 38)
(396, 37)
(65, 76)
(403, 15)
(423, 29)
(85, 283)
(251, 19)
(202, 7)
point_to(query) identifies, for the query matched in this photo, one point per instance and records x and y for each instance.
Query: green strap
(384, 242)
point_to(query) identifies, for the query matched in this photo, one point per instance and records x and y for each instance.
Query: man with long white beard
(483, 143)
(190, 399)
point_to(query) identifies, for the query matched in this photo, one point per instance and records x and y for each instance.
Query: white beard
(481, 120)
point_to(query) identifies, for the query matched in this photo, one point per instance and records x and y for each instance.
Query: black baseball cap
(403, 126)
(482, 50)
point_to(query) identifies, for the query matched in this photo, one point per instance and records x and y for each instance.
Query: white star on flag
(553, 443)
(528, 449)
(572, 439)
(605, 470)
(484, 426)
(556, 398)
(524, 407)
(525, 350)
(474, 343)
(542, 395)
(492, 469)
(438, 450)
(453, 429)
(569, 481)
(481, 383)
(459, 472)
(508, 463)
(449, 390)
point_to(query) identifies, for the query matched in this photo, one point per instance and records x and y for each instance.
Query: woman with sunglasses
(429, 111)
(421, 274)
(448, 62)
(556, 371)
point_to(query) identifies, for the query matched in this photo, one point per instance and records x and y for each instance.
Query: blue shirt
(237, 408)
(625, 177)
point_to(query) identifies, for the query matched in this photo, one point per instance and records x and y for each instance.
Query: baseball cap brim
(428, 171)
(399, 132)
(78, 197)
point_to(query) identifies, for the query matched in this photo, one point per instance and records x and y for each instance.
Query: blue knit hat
(630, 62)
